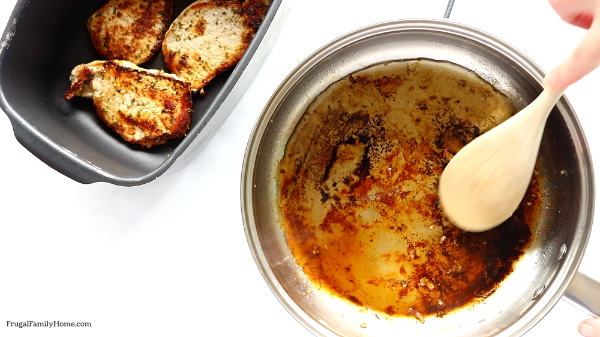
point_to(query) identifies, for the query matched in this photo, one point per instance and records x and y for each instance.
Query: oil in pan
(358, 190)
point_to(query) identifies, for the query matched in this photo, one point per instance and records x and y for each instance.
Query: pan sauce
(358, 191)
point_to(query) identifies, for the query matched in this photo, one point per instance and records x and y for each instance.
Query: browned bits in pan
(358, 191)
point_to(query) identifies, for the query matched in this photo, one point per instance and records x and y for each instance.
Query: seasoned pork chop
(146, 107)
(130, 30)
(209, 37)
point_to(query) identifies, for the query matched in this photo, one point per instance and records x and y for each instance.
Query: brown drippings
(358, 191)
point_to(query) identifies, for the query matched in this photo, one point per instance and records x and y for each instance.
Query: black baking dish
(42, 43)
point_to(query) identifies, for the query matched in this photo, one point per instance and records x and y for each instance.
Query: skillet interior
(540, 276)
(359, 196)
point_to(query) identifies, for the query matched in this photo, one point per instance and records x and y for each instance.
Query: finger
(590, 328)
(576, 12)
(583, 20)
(584, 59)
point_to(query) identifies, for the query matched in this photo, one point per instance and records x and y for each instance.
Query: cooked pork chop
(209, 37)
(130, 30)
(146, 107)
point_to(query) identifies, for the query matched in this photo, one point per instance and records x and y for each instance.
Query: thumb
(584, 59)
(590, 327)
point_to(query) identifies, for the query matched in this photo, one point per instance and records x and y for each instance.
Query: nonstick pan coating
(42, 43)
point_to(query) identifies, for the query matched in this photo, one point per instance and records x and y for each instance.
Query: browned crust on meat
(186, 66)
(254, 13)
(84, 77)
(172, 96)
(179, 65)
(180, 117)
(114, 38)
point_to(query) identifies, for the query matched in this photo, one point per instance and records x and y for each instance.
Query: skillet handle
(585, 293)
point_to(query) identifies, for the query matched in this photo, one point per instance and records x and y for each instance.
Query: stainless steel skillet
(540, 278)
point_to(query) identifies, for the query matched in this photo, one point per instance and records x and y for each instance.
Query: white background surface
(170, 258)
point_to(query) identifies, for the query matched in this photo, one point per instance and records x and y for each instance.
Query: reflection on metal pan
(540, 276)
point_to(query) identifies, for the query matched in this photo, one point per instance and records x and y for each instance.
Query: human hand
(586, 56)
(590, 327)
(584, 59)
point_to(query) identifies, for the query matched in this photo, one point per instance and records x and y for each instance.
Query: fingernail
(586, 330)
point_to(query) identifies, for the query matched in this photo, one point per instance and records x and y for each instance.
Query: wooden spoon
(486, 180)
